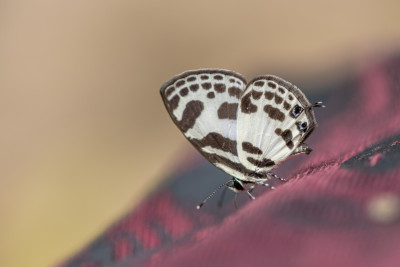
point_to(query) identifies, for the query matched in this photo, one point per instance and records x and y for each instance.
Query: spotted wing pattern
(274, 119)
(204, 105)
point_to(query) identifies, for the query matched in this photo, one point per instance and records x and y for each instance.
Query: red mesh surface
(341, 206)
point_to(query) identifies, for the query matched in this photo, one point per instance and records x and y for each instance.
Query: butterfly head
(237, 185)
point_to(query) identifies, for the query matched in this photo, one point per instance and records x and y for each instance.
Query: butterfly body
(245, 129)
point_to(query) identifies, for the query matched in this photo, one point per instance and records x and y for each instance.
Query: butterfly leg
(265, 184)
(221, 199)
(303, 148)
(273, 175)
(262, 183)
(235, 202)
(249, 193)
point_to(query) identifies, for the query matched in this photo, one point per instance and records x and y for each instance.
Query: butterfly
(245, 129)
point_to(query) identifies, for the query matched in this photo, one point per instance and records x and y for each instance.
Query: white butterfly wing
(274, 118)
(203, 104)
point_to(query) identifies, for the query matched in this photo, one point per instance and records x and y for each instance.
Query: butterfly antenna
(318, 105)
(215, 191)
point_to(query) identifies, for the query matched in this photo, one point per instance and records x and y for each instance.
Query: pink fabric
(324, 216)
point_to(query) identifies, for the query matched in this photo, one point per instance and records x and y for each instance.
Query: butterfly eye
(296, 111)
(302, 126)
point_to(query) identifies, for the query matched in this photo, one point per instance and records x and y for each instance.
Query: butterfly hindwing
(204, 105)
(274, 118)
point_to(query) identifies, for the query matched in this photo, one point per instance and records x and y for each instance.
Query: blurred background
(84, 134)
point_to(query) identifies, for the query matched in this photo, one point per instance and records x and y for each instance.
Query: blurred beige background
(84, 134)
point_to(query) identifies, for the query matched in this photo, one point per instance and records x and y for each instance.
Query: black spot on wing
(274, 113)
(246, 105)
(219, 87)
(269, 95)
(259, 83)
(214, 159)
(256, 95)
(228, 111)
(194, 87)
(296, 111)
(286, 105)
(206, 86)
(216, 140)
(173, 103)
(302, 126)
(272, 85)
(287, 137)
(234, 91)
(169, 91)
(192, 111)
(278, 99)
(180, 83)
(261, 163)
(249, 148)
(184, 91)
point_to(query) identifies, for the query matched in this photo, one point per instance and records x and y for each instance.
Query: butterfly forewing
(204, 105)
(274, 118)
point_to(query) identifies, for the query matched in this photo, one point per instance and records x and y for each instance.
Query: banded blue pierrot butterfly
(245, 129)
